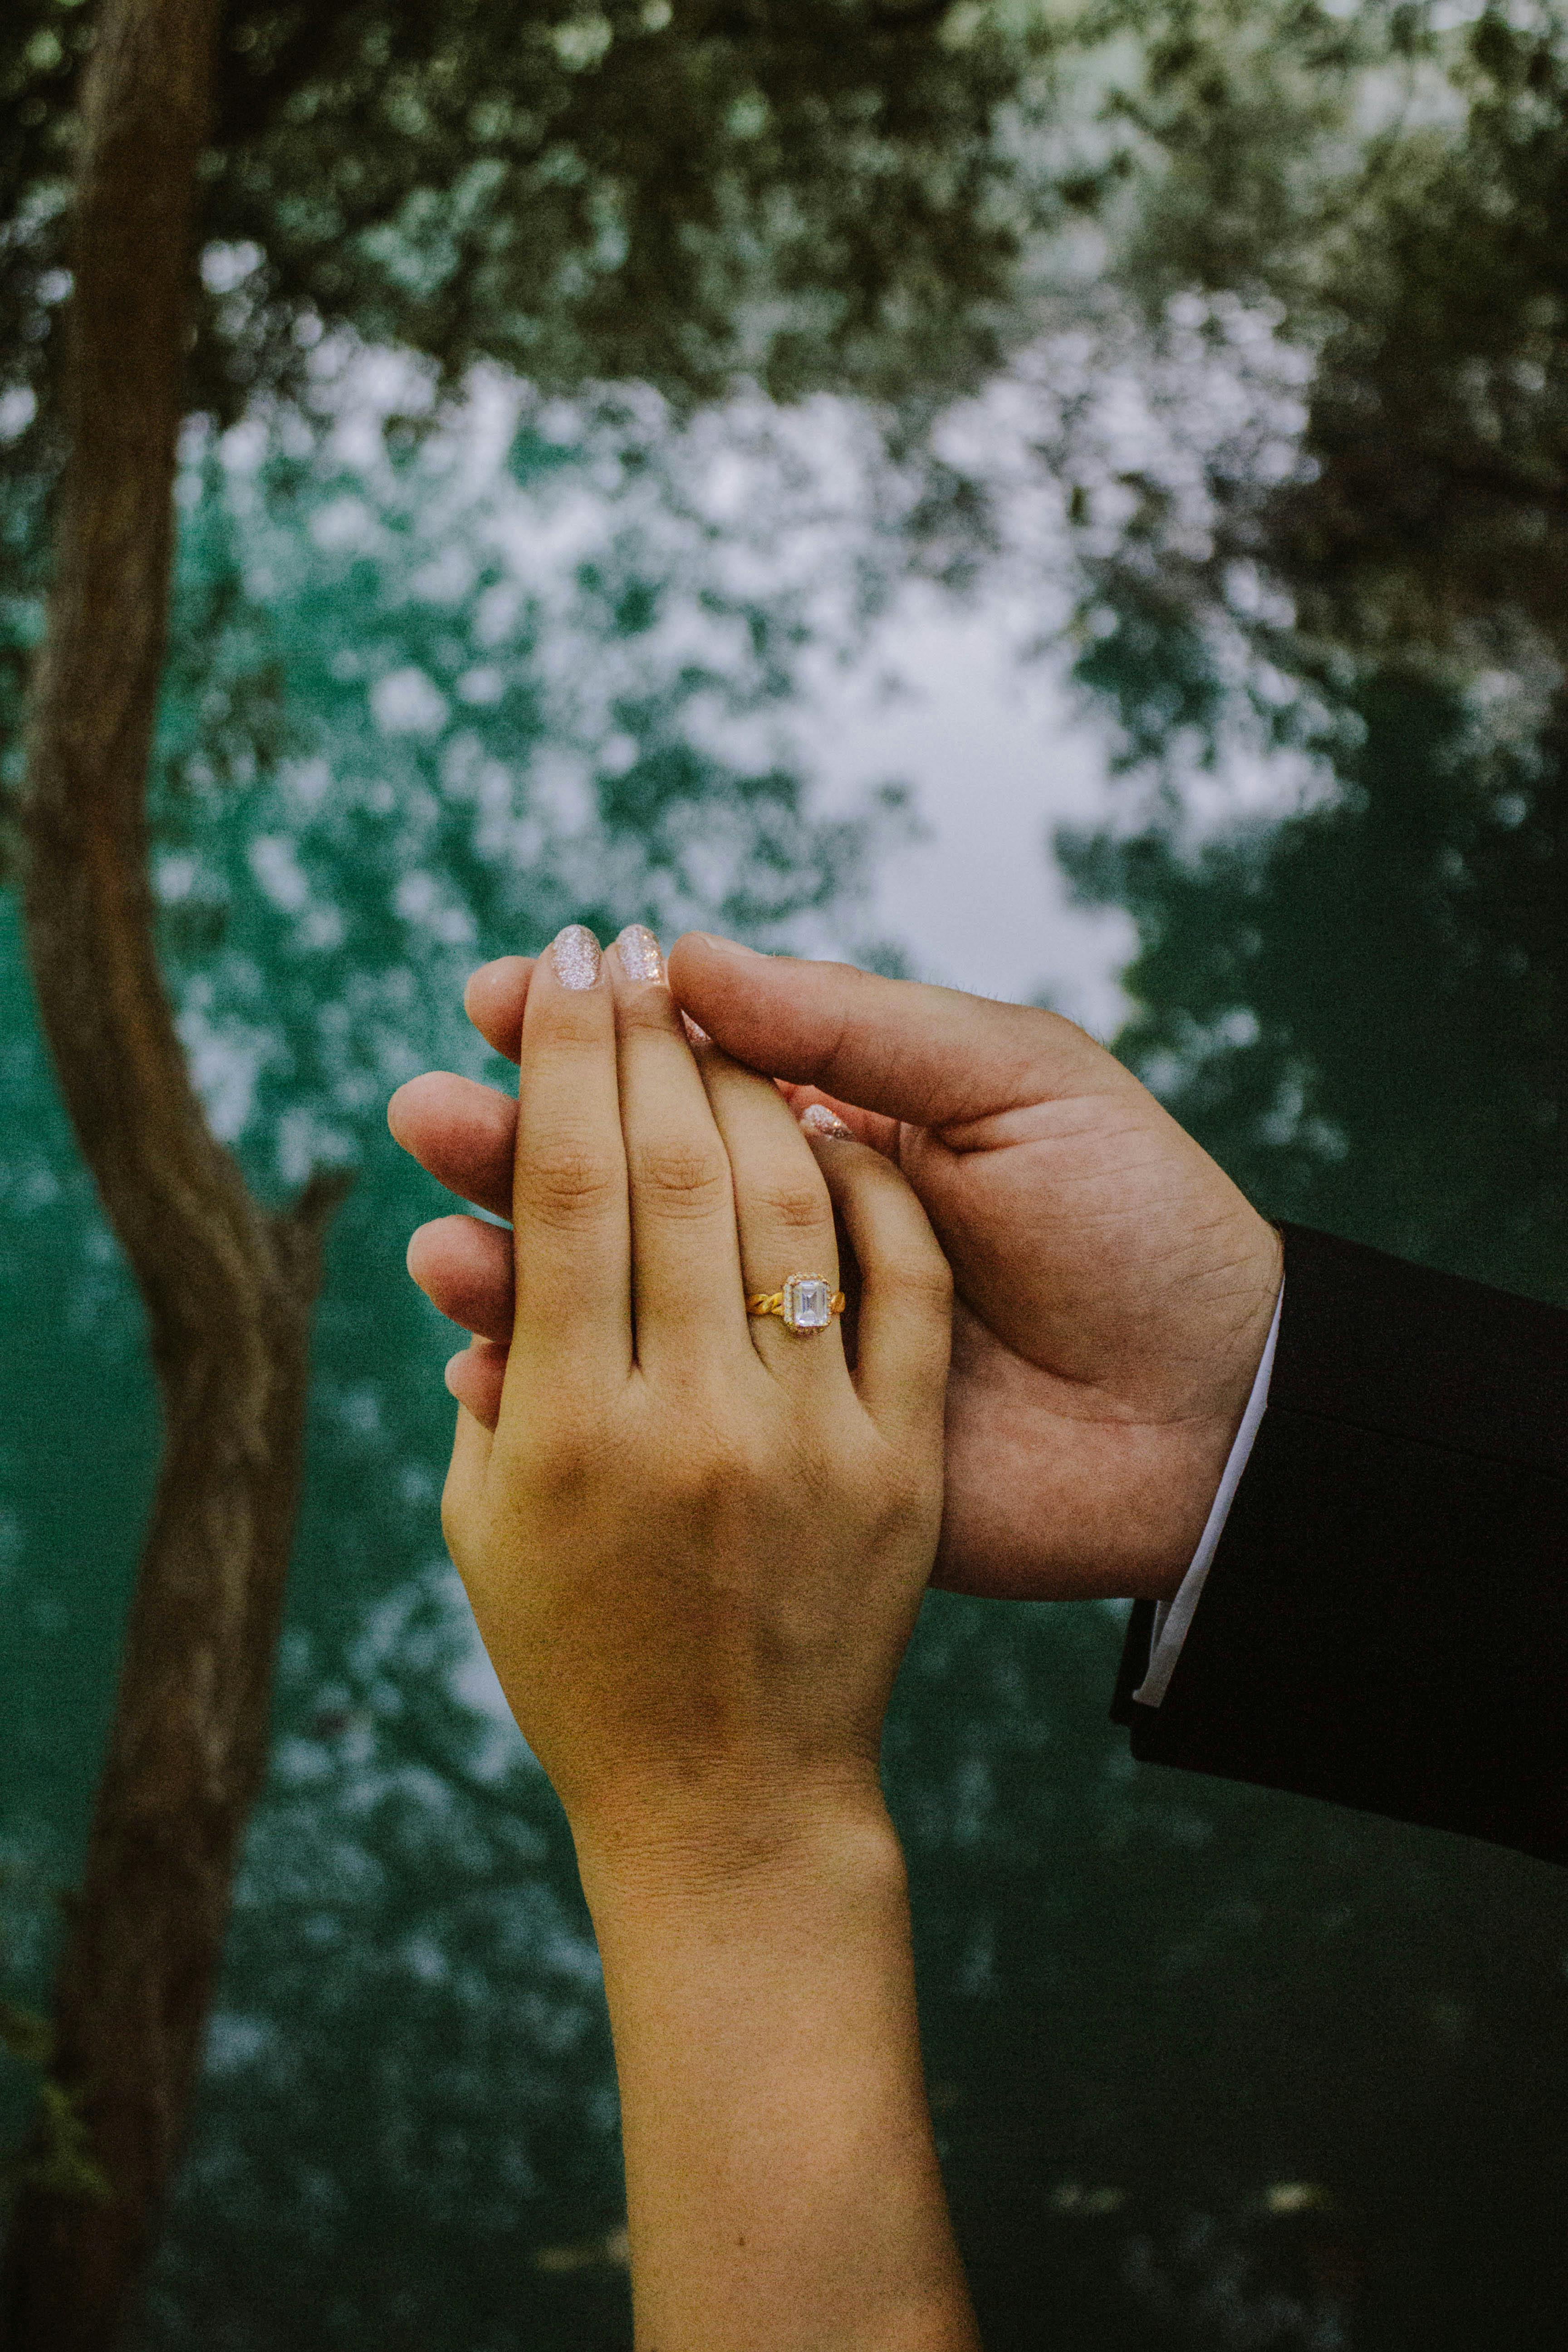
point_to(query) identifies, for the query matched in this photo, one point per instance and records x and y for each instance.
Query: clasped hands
(1113, 1287)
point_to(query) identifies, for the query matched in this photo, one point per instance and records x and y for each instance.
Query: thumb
(933, 1057)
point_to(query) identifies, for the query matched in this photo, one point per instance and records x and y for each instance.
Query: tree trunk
(228, 1287)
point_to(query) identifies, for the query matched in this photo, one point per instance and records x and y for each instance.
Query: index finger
(463, 1134)
(495, 999)
(570, 1213)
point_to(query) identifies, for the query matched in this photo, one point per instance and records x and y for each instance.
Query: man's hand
(1114, 1289)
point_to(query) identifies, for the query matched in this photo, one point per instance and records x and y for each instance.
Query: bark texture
(229, 1287)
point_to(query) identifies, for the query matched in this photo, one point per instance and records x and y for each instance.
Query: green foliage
(1370, 572)
(663, 192)
(1439, 417)
(659, 191)
(651, 191)
(1409, 249)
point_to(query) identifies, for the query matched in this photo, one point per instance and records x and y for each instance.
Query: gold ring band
(806, 1303)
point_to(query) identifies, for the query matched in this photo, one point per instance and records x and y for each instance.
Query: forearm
(782, 2183)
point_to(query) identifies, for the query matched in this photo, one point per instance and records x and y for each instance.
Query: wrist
(682, 1856)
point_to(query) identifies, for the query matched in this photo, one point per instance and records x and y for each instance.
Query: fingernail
(638, 951)
(728, 947)
(575, 955)
(818, 1120)
(696, 1036)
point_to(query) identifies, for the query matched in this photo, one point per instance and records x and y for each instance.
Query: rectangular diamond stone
(806, 1303)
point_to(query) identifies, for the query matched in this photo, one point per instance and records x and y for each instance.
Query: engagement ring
(805, 1304)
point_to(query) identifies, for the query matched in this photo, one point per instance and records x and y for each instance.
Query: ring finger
(783, 1213)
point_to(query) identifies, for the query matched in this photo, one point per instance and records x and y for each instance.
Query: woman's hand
(697, 1542)
(695, 1546)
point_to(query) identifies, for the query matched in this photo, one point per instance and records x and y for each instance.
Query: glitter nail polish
(818, 1120)
(576, 956)
(638, 951)
(694, 1034)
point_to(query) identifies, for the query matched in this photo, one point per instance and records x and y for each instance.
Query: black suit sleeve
(1385, 1619)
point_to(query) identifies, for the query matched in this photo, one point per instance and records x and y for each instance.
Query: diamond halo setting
(807, 1304)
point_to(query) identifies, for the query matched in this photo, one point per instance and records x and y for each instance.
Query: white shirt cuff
(1172, 1618)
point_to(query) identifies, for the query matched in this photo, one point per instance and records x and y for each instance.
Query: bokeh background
(1069, 501)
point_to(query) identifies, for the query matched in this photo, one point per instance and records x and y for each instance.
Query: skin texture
(1113, 1288)
(695, 1545)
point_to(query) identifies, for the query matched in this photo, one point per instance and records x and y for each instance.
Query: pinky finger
(822, 1114)
(475, 1378)
(905, 1324)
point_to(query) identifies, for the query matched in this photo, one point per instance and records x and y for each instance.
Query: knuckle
(648, 1011)
(565, 1181)
(684, 1178)
(702, 1481)
(925, 1276)
(734, 1476)
(560, 1469)
(795, 1205)
(722, 1463)
(556, 1462)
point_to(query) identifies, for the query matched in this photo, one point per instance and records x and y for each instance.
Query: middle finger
(688, 1302)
